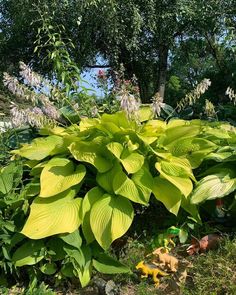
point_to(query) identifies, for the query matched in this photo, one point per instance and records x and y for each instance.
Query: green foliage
(84, 182)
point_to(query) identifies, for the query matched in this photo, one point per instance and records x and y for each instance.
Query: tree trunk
(162, 69)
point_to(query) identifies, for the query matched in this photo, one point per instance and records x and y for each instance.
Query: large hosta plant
(89, 175)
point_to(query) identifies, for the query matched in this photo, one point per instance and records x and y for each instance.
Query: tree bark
(162, 69)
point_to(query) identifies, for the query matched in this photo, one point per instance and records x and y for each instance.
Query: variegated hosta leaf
(183, 183)
(91, 153)
(51, 216)
(58, 175)
(168, 194)
(110, 218)
(212, 187)
(41, 148)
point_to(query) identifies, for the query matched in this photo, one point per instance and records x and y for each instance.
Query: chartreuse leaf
(55, 215)
(177, 167)
(108, 265)
(115, 148)
(105, 180)
(91, 153)
(86, 271)
(74, 239)
(183, 183)
(212, 187)
(58, 175)
(119, 119)
(144, 183)
(90, 198)
(168, 194)
(29, 253)
(41, 148)
(145, 113)
(194, 149)
(131, 161)
(177, 129)
(151, 131)
(110, 218)
(124, 186)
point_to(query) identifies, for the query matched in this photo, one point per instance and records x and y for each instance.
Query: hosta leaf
(55, 215)
(110, 218)
(132, 161)
(177, 167)
(145, 113)
(119, 119)
(151, 131)
(168, 194)
(115, 148)
(58, 175)
(184, 184)
(108, 265)
(212, 187)
(194, 149)
(105, 180)
(124, 186)
(90, 198)
(174, 133)
(86, 271)
(91, 153)
(191, 209)
(41, 148)
(29, 253)
(73, 239)
(144, 183)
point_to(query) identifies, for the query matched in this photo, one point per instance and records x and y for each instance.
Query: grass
(213, 273)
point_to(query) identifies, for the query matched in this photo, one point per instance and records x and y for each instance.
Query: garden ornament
(206, 243)
(152, 270)
(165, 259)
(164, 239)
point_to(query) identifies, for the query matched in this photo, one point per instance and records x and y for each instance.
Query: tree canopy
(162, 42)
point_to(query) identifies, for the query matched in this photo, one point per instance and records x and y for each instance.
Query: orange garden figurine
(165, 259)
